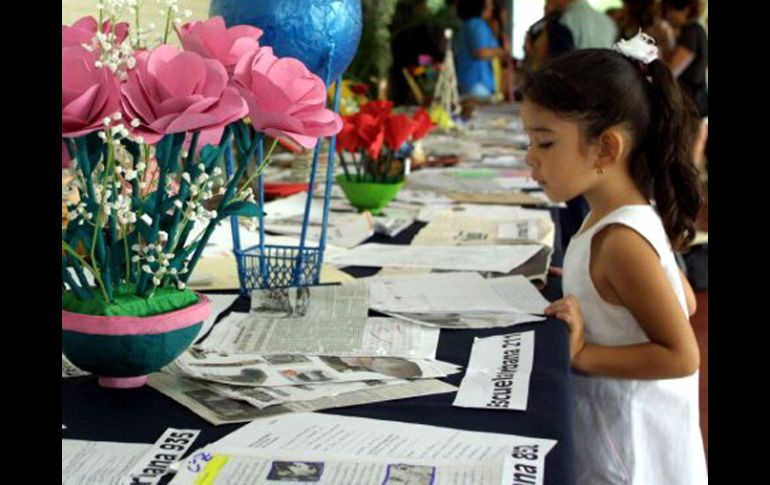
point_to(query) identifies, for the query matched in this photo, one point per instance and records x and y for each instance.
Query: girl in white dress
(612, 125)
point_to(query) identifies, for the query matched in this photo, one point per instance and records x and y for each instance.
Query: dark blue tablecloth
(141, 415)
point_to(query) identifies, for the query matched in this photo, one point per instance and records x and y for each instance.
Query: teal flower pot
(369, 195)
(123, 350)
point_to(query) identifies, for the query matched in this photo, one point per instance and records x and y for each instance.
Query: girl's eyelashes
(545, 144)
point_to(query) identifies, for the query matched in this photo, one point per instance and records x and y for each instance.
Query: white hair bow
(641, 48)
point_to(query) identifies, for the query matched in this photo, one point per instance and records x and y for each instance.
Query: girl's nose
(529, 159)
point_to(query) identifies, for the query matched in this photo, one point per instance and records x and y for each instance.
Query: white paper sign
(498, 373)
(156, 462)
(525, 465)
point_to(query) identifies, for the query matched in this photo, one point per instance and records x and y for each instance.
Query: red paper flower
(378, 109)
(398, 129)
(371, 132)
(423, 124)
(347, 139)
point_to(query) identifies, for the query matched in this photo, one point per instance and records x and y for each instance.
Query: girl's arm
(689, 294)
(638, 281)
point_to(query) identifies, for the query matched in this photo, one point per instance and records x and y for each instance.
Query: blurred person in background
(475, 46)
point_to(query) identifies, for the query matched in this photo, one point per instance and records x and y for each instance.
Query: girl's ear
(613, 145)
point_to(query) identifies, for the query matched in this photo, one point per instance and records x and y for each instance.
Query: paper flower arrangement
(375, 143)
(145, 128)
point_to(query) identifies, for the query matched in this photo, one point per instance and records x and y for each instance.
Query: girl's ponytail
(669, 155)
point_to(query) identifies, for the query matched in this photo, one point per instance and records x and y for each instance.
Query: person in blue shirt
(475, 46)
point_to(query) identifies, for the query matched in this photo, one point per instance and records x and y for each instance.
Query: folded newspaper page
(292, 370)
(498, 373)
(218, 409)
(362, 439)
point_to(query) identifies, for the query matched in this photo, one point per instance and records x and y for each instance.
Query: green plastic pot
(367, 195)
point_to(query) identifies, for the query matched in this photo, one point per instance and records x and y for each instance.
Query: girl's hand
(568, 310)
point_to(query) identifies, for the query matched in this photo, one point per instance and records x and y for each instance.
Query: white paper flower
(641, 48)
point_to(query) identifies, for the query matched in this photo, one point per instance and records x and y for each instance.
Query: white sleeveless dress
(628, 431)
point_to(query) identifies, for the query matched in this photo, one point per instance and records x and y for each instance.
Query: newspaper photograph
(292, 370)
(498, 373)
(237, 465)
(217, 409)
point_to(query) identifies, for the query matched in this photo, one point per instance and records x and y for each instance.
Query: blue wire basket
(275, 266)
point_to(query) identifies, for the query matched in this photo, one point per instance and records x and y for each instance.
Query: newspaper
(218, 409)
(238, 465)
(421, 197)
(520, 293)
(292, 370)
(457, 300)
(68, 369)
(98, 462)
(318, 320)
(241, 333)
(453, 228)
(507, 198)
(363, 439)
(263, 397)
(343, 230)
(288, 320)
(466, 320)
(219, 304)
(495, 212)
(392, 226)
(498, 373)
(436, 293)
(496, 258)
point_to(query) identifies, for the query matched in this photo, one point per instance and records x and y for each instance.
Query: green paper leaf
(95, 147)
(242, 208)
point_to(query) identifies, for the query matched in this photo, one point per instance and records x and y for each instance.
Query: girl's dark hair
(467, 9)
(694, 5)
(641, 12)
(600, 88)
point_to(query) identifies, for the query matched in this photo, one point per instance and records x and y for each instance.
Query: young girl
(613, 125)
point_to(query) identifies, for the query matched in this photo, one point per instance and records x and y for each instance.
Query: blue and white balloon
(308, 30)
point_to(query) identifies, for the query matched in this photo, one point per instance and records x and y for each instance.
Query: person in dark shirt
(686, 53)
(547, 38)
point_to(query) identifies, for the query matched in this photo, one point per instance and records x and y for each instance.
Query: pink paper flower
(84, 29)
(213, 40)
(285, 98)
(88, 93)
(170, 91)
